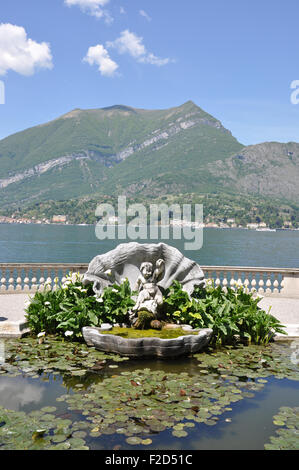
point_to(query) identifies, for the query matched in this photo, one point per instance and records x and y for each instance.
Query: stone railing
(22, 278)
(264, 281)
(29, 278)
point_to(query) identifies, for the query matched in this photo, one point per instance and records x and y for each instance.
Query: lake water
(78, 244)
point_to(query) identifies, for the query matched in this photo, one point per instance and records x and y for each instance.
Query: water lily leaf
(134, 441)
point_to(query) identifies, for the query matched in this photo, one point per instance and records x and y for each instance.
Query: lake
(78, 244)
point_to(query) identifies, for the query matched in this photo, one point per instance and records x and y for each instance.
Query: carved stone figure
(125, 262)
(150, 296)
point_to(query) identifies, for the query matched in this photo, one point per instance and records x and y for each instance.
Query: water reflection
(15, 394)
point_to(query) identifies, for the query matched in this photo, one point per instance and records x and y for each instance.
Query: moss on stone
(163, 334)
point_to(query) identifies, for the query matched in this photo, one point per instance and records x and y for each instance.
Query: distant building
(262, 225)
(212, 225)
(59, 219)
(252, 226)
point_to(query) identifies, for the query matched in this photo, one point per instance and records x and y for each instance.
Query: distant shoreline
(17, 222)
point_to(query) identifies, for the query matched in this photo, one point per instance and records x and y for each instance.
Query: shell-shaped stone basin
(125, 260)
(148, 346)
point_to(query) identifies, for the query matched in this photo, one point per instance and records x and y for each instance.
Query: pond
(63, 395)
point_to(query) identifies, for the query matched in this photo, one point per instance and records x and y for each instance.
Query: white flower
(114, 290)
(68, 333)
(47, 304)
(42, 333)
(100, 300)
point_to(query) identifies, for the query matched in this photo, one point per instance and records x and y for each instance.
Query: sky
(235, 59)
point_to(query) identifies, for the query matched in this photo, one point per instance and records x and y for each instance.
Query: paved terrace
(278, 289)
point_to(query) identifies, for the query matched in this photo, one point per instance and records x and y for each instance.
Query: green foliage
(71, 306)
(229, 313)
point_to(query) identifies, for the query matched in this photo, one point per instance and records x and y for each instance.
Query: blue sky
(235, 59)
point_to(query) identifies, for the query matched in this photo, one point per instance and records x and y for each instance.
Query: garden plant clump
(232, 314)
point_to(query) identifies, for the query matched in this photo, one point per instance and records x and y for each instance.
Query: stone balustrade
(29, 278)
(22, 278)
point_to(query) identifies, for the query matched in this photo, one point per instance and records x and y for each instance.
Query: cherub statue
(149, 297)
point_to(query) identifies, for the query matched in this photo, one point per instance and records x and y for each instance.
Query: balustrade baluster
(26, 280)
(11, 280)
(217, 280)
(253, 284)
(225, 282)
(275, 284)
(34, 285)
(268, 284)
(233, 280)
(3, 280)
(261, 284)
(19, 280)
(246, 282)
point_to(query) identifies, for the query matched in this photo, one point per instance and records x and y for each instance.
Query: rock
(156, 325)
(186, 327)
(106, 327)
(171, 326)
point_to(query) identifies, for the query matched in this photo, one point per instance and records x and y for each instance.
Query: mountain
(123, 150)
(112, 149)
(270, 169)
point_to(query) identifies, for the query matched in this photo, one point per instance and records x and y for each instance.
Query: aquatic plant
(287, 438)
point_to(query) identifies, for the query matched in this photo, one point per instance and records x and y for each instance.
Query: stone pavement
(12, 316)
(286, 311)
(13, 322)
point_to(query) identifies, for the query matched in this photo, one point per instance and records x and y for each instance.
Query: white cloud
(22, 54)
(145, 15)
(154, 60)
(130, 43)
(122, 10)
(92, 7)
(98, 55)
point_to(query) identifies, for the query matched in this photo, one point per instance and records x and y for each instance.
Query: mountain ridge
(121, 149)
